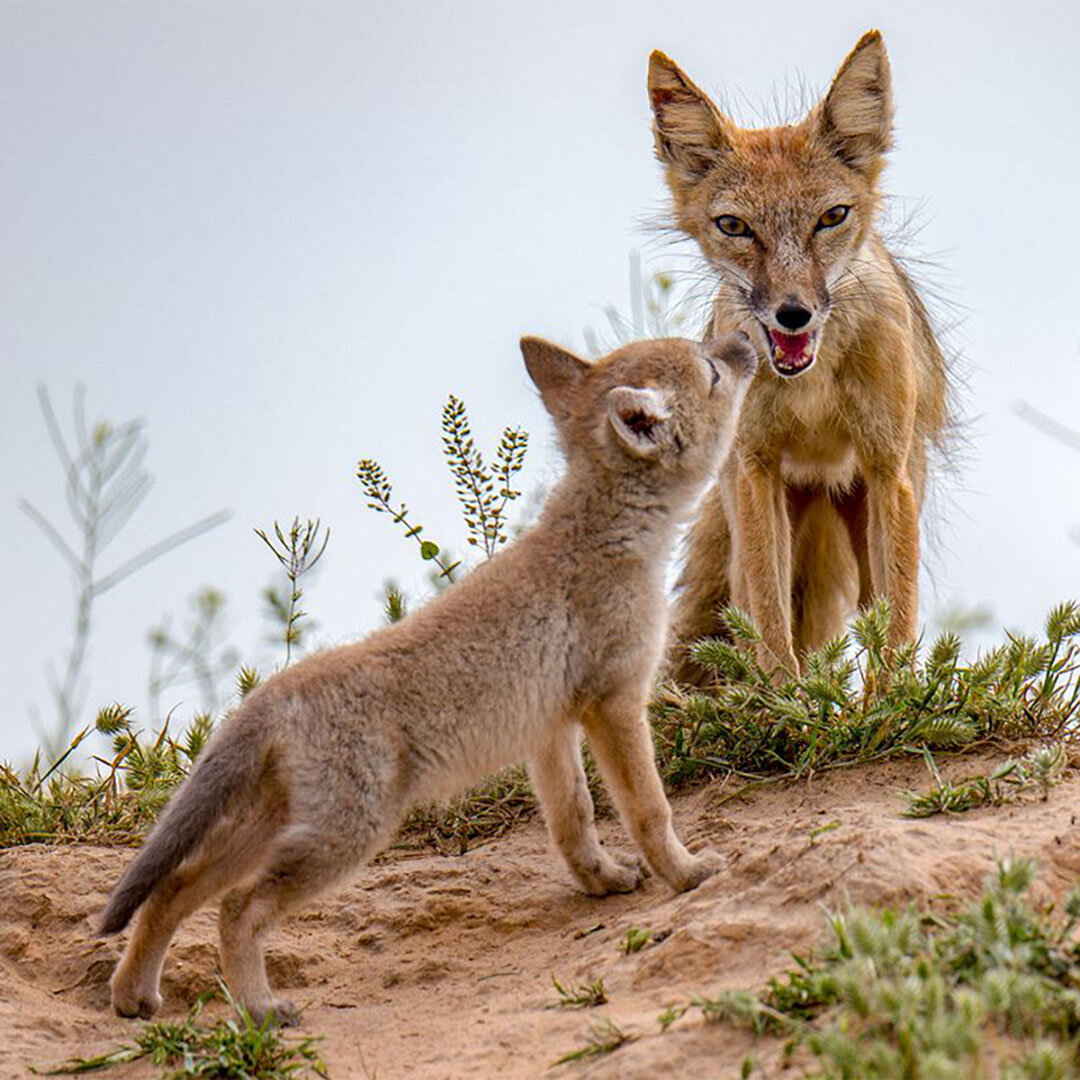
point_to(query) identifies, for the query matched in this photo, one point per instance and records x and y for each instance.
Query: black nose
(792, 316)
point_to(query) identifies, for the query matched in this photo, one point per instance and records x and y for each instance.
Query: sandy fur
(817, 510)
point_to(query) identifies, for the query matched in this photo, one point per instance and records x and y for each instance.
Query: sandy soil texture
(440, 967)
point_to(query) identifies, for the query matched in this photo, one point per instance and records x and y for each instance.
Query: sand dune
(440, 967)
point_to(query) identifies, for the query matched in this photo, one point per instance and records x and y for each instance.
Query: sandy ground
(440, 967)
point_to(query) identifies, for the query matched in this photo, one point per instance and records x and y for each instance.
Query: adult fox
(817, 509)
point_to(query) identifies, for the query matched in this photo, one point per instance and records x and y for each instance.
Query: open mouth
(791, 354)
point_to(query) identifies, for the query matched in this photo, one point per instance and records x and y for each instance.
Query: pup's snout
(735, 351)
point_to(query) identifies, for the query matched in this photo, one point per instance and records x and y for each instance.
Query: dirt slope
(433, 967)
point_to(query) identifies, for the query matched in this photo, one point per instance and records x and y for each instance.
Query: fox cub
(563, 631)
(817, 508)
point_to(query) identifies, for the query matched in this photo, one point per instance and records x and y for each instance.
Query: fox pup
(563, 631)
(817, 509)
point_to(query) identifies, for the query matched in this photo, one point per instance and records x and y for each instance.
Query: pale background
(283, 233)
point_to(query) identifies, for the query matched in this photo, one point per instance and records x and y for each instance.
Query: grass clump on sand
(858, 701)
(114, 806)
(1037, 771)
(604, 1037)
(991, 991)
(228, 1048)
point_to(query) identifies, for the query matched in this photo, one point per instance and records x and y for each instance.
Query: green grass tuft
(229, 1048)
(992, 991)
(858, 702)
(604, 1037)
(585, 996)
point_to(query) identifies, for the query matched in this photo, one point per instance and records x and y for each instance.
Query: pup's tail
(229, 766)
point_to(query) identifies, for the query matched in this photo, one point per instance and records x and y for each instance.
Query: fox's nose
(792, 316)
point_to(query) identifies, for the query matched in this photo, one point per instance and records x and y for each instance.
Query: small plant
(379, 493)
(635, 940)
(105, 483)
(585, 996)
(1039, 770)
(297, 551)
(992, 991)
(604, 1037)
(484, 492)
(227, 1048)
(395, 606)
(196, 655)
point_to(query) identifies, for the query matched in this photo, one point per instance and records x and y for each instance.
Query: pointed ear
(855, 117)
(639, 417)
(555, 372)
(691, 133)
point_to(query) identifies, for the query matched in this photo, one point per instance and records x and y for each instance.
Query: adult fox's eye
(730, 225)
(832, 217)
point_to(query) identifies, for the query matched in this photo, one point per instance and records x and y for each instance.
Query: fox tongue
(791, 345)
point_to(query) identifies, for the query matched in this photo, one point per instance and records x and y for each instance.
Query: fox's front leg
(764, 539)
(621, 743)
(559, 782)
(893, 541)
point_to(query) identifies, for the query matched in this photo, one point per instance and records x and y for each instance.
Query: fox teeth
(778, 354)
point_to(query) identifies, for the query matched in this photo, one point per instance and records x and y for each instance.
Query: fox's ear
(855, 117)
(556, 373)
(691, 133)
(639, 417)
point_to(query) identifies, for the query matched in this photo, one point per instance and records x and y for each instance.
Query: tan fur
(559, 634)
(817, 509)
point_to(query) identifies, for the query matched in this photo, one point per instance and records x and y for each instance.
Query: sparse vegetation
(297, 550)
(484, 493)
(854, 704)
(229, 1048)
(1038, 770)
(635, 939)
(990, 991)
(858, 702)
(105, 483)
(604, 1037)
(586, 996)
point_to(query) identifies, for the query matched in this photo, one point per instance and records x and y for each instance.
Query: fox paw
(135, 1001)
(280, 1011)
(701, 866)
(617, 873)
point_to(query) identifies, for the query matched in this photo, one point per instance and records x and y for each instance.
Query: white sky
(283, 233)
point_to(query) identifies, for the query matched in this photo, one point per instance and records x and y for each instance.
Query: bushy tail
(229, 766)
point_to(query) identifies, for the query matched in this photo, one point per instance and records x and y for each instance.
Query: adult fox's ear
(555, 372)
(691, 133)
(855, 116)
(640, 418)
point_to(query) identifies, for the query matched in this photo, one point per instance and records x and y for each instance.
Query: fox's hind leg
(308, 858)
(559, 781)
(234, 852)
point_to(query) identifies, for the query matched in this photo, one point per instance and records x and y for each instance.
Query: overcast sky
(282, 234)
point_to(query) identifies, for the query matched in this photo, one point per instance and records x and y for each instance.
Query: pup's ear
(556, 373)
(640, 418)
(691, 133)
(855, 117)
